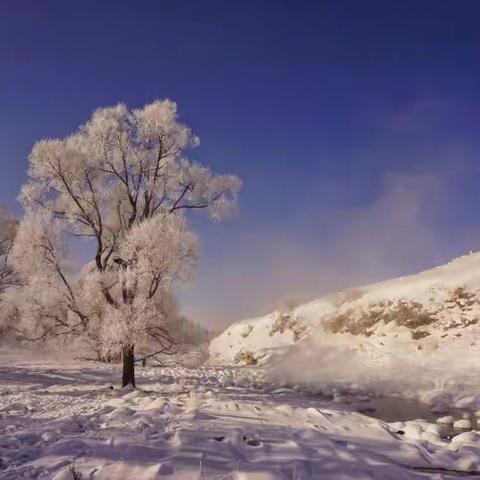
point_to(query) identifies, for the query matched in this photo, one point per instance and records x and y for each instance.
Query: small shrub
(284, 322)
(462, 298)
(247, 331)
(246, 357)
(356, 323)
(471, 321)
(412, 315)
(420, 334)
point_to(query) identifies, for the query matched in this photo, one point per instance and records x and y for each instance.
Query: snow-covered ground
(204, 423)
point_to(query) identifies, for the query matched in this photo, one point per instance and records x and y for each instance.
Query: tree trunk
(128, 375)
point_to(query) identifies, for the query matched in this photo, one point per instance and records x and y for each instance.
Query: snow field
(206, 423)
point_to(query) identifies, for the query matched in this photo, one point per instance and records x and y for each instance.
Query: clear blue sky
(353, 124)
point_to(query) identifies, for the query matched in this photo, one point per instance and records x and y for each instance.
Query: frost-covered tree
(8, 227)
(8, 275)
(122, 181)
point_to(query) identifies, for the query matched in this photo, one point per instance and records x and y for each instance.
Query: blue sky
(354, 126)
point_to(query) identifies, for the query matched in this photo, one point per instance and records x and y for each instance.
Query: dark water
(396, 409)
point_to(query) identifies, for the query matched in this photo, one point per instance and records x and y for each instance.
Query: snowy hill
(431, 311)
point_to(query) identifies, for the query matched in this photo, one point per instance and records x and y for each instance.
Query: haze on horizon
(354, 127)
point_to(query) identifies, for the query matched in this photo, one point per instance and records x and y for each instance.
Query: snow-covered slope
(429, 311)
